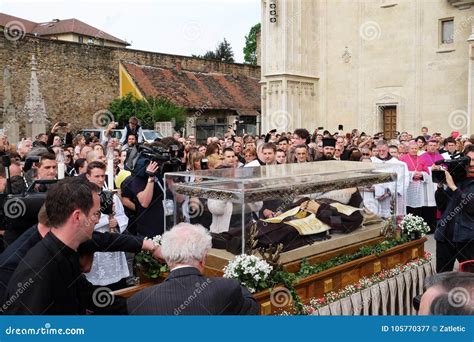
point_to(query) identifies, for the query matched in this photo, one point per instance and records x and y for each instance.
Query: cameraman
(455, 230)
(42, 166)
(147, 196)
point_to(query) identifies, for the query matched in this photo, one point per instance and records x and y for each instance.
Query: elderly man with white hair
(186, 291)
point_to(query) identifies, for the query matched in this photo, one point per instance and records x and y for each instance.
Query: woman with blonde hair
(250, 154)
(194, 161)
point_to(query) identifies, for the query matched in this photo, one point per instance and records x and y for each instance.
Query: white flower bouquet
(251, 271)
(414, 226)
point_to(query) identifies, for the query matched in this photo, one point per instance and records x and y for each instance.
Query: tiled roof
(59, 27)
(196, 90)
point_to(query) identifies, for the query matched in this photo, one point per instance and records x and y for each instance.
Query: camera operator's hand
(152, 167)
(450, 182)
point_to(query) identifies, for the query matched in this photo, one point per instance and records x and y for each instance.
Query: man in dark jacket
(132, 128)
(454, 233)
(186, 291)
(49, 279)
(100, 242)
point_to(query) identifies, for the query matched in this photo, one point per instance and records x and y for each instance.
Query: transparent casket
(308, 208)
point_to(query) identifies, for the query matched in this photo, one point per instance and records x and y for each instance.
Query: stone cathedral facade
(376, 65)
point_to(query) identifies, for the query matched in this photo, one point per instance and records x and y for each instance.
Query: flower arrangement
(414, 226)
(251, 271)
(148, 266)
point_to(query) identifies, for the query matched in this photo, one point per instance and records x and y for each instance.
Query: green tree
(148, 111)
(222, 53)
(250, 48)
(162, 109)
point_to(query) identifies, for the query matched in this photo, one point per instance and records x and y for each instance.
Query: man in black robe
(329, 147)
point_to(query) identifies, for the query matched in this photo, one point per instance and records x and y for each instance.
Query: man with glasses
(337, 152)
(132, 128)
(69, 163)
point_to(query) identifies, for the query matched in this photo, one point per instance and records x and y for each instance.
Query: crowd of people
(138, 210)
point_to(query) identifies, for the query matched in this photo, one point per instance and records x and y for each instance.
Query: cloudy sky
(182, 27)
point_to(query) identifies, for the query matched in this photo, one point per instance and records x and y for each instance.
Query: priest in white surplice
(382, 192)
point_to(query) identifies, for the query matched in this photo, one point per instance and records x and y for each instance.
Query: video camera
(20, 211)
(457, 168)
(167, 159)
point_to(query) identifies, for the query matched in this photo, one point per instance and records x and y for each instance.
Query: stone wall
(78, 80)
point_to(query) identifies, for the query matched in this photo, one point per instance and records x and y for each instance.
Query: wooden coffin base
(333, 279)
(338, 277)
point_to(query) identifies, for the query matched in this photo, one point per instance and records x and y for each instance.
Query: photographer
(454, 233)
(55, 139)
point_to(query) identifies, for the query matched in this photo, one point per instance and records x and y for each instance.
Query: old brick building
(213, 100)
(78, 80)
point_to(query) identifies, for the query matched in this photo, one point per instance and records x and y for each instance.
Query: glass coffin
(301, 209)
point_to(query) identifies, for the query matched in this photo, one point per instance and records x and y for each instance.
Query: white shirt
(109, 267)
(402, 186)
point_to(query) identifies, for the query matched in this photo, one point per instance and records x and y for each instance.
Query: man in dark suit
(186, 291)
(48, 280)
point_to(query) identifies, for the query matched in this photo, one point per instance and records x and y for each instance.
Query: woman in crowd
(79, 142)
(212, 148)
(250, 154)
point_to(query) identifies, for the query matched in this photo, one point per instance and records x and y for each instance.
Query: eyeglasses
(366, 154)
